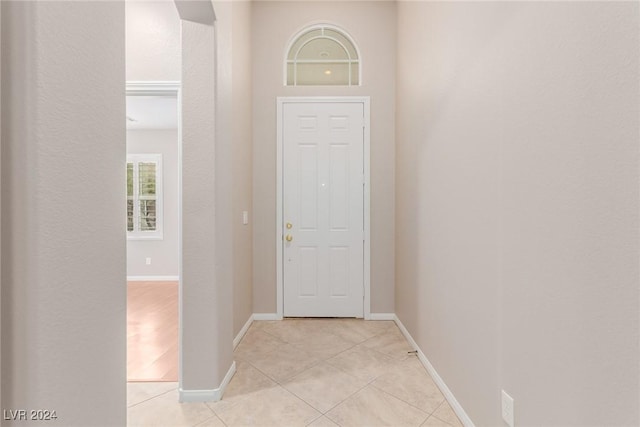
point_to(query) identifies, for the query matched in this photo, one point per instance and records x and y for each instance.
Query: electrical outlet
(507, 409)
(148, 260)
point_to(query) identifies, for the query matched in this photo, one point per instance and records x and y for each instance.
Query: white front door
(323, 209)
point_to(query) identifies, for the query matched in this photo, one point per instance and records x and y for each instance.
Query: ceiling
(152, 112)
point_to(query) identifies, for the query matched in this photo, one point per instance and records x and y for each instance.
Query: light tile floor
(309, 372)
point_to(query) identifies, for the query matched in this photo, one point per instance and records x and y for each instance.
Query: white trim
(196, 395)
(153, 88)
(180, 215)
(453, 402)
(295, 60)
(266, 316)
(153, 278)
(242, 332)
(366, 101)
(208, 395)
(279, 231)
(382, 316)
(367, 208)
(320, 61)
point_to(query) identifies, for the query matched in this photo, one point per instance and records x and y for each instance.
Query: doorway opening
(323, 214)
(153, 228)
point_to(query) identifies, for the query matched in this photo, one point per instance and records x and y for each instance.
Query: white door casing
(323, 245)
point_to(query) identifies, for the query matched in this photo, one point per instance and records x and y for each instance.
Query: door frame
(173, 89)
(281, 101)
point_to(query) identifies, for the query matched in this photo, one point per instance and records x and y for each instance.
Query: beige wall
(153, 40)
(63, 245)
(517, 205)
(153, 53)
(164, 253)
(372, 25)
(233, 161)
(242, 144)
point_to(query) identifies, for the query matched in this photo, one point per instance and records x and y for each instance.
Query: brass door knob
(288, 238)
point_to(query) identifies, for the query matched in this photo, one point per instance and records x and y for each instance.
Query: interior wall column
(206, 328)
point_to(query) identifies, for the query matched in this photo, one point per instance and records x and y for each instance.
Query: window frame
(137, 234)
(321, 27)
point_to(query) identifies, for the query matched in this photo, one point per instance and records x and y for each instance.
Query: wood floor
(152, 331)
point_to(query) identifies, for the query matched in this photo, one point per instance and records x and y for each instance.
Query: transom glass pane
(322, 49)
(290, 74)
(344, 41)
(323, 74)
(322, 56)
(355, 74)
(302, 40)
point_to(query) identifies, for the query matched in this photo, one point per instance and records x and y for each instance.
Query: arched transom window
(322, 55)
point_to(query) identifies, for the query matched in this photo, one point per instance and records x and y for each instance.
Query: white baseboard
(208, 395)
(152, 278)
(243, 331)
(382, 316)
(455, 405)
(266, 316)
(372, 316)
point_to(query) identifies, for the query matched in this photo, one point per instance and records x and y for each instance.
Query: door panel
(308, 186)
(339, 271)
(323, 200)
(307, 272)
(339, 188)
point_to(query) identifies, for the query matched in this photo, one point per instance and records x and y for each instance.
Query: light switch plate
(245, 217)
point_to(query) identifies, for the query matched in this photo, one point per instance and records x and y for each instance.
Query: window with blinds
(144, 196)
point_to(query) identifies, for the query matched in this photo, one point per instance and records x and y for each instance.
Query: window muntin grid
(321, 56)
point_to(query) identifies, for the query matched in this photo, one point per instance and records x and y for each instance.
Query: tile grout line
(151, 398)
(293, 344)
(389, 358)
(313, 366)
(434, 417)
(213, 416)
(348, 397)
(410, 404)
(337, 404)
(434, 411)
(370, 383)
(285, 389)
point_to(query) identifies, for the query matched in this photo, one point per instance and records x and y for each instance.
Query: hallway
(501, 169)
(318, 372)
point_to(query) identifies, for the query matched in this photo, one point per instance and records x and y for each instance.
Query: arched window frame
(321, 27)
